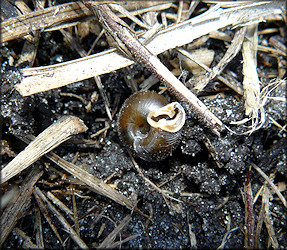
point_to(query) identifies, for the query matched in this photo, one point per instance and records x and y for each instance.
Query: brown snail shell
(150, 126)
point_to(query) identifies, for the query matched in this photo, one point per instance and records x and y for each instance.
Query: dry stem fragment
(14, 210)
(49, 139)
(109, 240)
(229, 55)
(281, 197)
(27, 242)
(251, 82)
(91, 181)
(68, 228)
(249, 240)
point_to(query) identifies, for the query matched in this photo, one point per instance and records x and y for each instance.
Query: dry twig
(15, 209)
(49, 139)
(231, 52)
(249, 215)
(68, 228)
(281, 197)
(109, 240)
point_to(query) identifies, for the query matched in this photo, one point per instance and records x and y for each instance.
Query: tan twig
(49, 139)
(91, 181)
(67, 227)
(231, 52)
(45, 213)
(275, 189)
(264, 215)
(26, 240)
(109, 240)
(77, 228)
(249, 240)
(14, 210)
(39, 229)
(60, 204)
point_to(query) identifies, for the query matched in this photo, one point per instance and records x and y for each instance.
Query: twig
(26, 240)
(251, 83)
(128, 43)
(60, 217)
(76, 220)
(14, 211)
(264, 215)
(91, 181)
(232, 51)
(109, 240)
(60, 204)
(249, 215)
(49, 139)
(104, 96)
(45, 213)
(281, 197)
(266, 197)
(39, 229)
(94, 183)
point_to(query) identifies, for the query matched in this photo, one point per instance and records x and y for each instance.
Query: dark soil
(206, 174)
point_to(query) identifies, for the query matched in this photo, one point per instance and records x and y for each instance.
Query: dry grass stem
(273, 186)
(232, 84)
(231, 52)
(76, 220)
(109, 240)
(16, 208)
(61, 74)
(251, 82)
(67, 227)
(39, 229)
(60, 204)
(59, 16)
(41, 20)
(93, 182)
(45, 213)
(267, 220)
(26, 240)
(119, 243)
(49, 139)
(249, 241)
(264, 216)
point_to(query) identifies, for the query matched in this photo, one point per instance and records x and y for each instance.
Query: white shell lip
(174, 111)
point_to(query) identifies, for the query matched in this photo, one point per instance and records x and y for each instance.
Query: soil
(205, 175)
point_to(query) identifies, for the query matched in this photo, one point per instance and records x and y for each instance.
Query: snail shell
(150, 126)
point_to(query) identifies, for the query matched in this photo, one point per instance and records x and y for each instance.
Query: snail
(150, 126)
